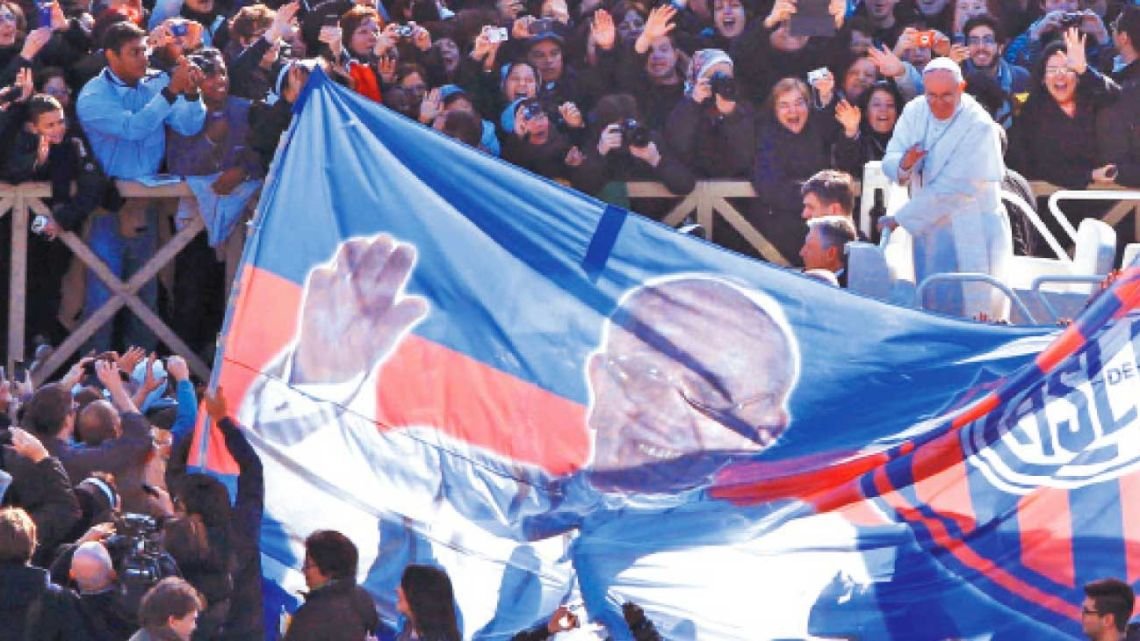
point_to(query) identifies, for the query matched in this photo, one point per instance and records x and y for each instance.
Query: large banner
(456, 362)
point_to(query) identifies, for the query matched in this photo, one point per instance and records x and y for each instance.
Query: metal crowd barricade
(27, 200)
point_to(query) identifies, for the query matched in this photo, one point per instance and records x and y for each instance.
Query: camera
(924, 39)
(44, 9)
(39, 224)
(633, 133)
(137, 549)
(405, 31)
(723, 85)
(1071, 19)
(531, 110)
(815, 75)
(179, 29)
(540, 26)
(496, 34)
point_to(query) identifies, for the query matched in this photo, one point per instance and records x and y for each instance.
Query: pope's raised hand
(354, 310)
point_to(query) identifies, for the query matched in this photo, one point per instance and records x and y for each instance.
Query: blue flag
(455, 362)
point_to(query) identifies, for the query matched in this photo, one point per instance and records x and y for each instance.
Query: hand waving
(355, 310)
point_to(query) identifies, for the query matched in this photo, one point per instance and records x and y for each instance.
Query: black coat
(43, 490)
(713, 145)
(1118, 129)
(619, 166)
(338, 611)
(1047, 144)
(71, 161)
(29, 601)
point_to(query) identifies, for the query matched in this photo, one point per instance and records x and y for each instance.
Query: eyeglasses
(1092, 612)
(706, 397)
(8, 16)
(1058, 71)
(788, 106)
(977, 41)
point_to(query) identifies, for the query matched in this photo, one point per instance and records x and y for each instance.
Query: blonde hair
(17, 536)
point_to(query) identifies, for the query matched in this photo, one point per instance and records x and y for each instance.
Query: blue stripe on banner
(603, 241)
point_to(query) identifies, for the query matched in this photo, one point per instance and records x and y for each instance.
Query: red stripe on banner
(1130, 511)
(1066, 344)
(980, 408)
(971, 559)
(1128, 292)
(1045, 524)
(940, 480)
(752, 483)
(265, 317)
(424, 383)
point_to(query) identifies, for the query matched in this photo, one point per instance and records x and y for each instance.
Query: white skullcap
(94, 551)
(943, 64)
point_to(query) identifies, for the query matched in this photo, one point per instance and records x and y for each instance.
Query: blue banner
(456, 362)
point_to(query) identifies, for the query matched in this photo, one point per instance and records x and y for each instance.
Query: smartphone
(44, 13)
(20, 373)
(539, 26)
(496, 34)
(179, 29)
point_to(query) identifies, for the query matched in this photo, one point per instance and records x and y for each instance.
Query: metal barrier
(1126, 204)
(707, 202)
(27, 199)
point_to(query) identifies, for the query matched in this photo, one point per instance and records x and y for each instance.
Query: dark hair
(986, 90)
(47, 73)
(834, 231)
(17, 536)
(250, 19)
(1112, 596)
(170, 597)
(40, 104)
(464, 126)
(205, 496)
(103, 418)
(120, 34)
(21, 19)
(351, 20)
(888, 86)
(47, 410)
(986, 20)
(1128, 22)
(209, 60)
(612, 108)
(432, 601)
(333, 553)
(1038, 91)
(406, 69)
(831, 186)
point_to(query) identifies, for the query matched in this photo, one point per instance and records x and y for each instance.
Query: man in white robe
(947, 149)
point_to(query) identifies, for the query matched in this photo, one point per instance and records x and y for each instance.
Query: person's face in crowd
(201, 6)
(882, 112)
(860, 43)
(815, 256)
(129, 62)
(966, 9)
(51, 125)
(9, 25)
(917, 56)
(782, 39)
(661, 65)
(881, 10)
(415, 85)
(521, 83)
(216, 86)
(814, 207)
(448, 53)
(297, 44)
(858, 78)
(1093, 623)
(631, 25)
(546, 56)
(984, 49)
(1060, 81)
(931, 8)
(729, 18)
(364, 38)
(314, 578)
(792, 111)
(184, 626)
(662, 412)
(942, 93)
(536, 128)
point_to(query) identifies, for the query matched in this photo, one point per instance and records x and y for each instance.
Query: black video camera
(634, 134)
(137, 548)
(723, 85)
(641, 627)
(405, 31)
(1072, 19)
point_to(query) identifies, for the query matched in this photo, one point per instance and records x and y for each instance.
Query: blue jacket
(127, 125)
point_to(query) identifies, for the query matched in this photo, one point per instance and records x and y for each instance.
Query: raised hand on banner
(355, 311)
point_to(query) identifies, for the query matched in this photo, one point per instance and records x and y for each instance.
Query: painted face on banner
(691, 372)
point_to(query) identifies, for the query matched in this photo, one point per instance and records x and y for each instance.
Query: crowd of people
(589, 93)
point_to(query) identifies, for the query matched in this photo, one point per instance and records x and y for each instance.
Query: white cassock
(955, 213)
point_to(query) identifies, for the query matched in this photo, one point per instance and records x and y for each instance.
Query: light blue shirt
(127, 125)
